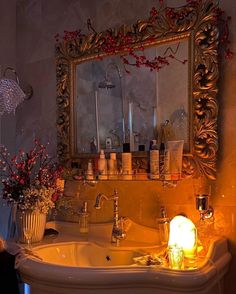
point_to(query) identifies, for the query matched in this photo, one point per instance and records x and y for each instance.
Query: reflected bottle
(89, 172)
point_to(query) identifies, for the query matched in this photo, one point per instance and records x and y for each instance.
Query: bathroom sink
(85, 254)
(69, 264)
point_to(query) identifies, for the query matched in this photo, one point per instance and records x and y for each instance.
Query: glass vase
(30, 226)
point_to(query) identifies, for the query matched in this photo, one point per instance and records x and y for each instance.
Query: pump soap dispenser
(83, 221)
(163, 226)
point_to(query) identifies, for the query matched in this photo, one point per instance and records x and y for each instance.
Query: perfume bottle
(84, 219)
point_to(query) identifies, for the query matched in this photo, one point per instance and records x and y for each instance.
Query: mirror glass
(117, 103)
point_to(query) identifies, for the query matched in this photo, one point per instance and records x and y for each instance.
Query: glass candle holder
(176, 257)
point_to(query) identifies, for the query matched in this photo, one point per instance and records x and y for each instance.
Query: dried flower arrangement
(30, 180)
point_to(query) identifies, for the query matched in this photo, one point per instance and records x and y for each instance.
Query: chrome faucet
(118, 232)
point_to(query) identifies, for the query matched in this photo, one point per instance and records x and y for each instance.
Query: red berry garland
(136, 57)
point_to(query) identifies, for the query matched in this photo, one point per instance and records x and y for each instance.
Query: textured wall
(7, 58)
(37, 22)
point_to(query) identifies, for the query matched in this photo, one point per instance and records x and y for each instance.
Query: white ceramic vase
(34, 222)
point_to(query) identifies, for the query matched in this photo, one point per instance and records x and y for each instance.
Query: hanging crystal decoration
(11, 95)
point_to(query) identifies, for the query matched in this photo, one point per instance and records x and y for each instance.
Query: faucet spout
(98, 201)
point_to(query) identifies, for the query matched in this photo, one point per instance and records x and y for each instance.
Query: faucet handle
(122, 222)
(118, 234)
(125, 223)
(115, 193)
(120, 231)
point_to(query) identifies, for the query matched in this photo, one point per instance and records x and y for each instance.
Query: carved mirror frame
(196, 21)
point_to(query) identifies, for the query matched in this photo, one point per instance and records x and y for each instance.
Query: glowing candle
(183, 234)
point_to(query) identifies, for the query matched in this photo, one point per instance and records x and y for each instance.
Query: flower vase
(30, 226)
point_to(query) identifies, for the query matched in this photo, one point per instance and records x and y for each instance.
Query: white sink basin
(85, 254)
(69, 265)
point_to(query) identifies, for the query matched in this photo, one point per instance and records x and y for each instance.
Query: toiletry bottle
(126, 158)
(83, 220)
(161, 160)
(102, 166)
(154, 161)
(167, 174)
(89, 172)
(163, 226)
(112, 167)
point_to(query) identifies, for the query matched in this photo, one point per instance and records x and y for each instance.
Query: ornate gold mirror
(98, 101)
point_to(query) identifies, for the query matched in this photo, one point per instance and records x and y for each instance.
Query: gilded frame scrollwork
(197, 22)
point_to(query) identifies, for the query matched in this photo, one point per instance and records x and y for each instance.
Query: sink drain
(108, 258)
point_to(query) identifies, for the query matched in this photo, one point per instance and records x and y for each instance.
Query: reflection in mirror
(117, 104)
